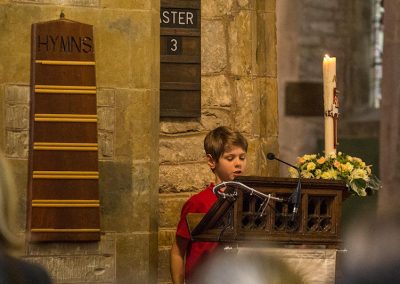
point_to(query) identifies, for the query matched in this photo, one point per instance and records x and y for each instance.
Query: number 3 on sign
(174, 45)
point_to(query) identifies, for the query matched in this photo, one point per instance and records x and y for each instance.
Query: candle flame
(327, 56)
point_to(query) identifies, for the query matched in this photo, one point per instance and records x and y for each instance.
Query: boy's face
(231, 164)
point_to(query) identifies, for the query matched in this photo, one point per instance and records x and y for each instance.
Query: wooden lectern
(239, 219)
(307, 242)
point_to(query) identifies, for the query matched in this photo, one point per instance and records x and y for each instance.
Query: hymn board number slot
(174, 45)
(180, 66)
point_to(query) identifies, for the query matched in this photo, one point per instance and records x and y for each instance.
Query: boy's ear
(211, 162)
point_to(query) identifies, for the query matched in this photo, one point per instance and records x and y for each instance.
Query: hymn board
(63, 193)
(180, 68)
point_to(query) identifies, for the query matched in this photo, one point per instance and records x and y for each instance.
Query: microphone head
(271, 156)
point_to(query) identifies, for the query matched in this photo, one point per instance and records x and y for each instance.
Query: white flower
(306, 174)
(359, 174)
(332, 155)
(309, 157)
(360, 191)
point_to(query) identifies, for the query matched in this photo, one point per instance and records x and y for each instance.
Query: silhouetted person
(373, 252)
(12, 269)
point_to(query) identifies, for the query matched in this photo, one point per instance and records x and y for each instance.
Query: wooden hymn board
(63, 192)
(180, 68)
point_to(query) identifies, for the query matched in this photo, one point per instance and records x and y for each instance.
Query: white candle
(330, 104)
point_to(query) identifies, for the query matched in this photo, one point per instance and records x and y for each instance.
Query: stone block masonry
(126, 38)
(147, 168)
(239, 90)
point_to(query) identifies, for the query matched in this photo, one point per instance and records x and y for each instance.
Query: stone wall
(239, 90)
(127, 70)
(147, 168)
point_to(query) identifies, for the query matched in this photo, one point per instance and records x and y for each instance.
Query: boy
(226, 156)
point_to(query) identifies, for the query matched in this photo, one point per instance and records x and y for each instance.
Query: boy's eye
(231, 158)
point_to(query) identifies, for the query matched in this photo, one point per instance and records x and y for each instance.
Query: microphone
(271, 156)
(296, 196)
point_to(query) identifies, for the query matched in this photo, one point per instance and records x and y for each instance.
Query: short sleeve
(183, 230)
(198, 203)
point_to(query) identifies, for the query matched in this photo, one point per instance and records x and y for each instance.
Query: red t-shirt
(196, 251)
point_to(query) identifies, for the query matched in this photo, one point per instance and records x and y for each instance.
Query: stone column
(389, 196)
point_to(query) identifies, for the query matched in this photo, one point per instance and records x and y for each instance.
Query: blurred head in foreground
(8, 203)
(247, 267)
(373, 250)
(13, 270)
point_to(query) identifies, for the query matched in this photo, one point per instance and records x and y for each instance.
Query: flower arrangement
(352, 170)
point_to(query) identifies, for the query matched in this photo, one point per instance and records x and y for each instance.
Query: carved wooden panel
(246, 218)
(180, 68)
(63, 194)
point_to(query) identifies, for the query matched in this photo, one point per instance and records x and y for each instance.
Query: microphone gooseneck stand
(295, 198)
(265, 197)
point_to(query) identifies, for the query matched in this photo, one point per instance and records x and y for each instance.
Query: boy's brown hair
(221, 139)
